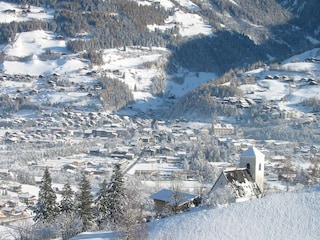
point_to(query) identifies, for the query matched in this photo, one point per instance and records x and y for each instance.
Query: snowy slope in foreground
(292, 215)
(287, 216)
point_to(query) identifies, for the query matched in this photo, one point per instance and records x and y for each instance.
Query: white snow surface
(24, 55)
(290, 215)
(189, 24)
(283, 216)
(19, 16)
(289, 96)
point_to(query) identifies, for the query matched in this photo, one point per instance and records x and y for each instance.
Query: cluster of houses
(302, 81)
(13, 202)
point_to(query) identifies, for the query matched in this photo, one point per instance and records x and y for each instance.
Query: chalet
(13, 211)
(104, 133)
(4, 173)
(15, 188)
(95, 151)
(165, 150)
(13, 202)
(70, 167)
(27, 198)
(121, 154)
(8, 211)
(168, 199)
(145, 139)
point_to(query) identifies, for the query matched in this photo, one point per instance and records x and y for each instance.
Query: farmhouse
(167, 199)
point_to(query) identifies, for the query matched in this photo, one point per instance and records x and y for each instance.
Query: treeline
(8, 31)
(107, 24)
(9, 105)
(218, 54)
(115, 207)
(300, 133)
(205, 101)
(313, 103)
(110, 23)
(114, 93)
(254, 11)
(305, 14)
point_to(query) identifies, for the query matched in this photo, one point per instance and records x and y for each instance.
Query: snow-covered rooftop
(252, 152)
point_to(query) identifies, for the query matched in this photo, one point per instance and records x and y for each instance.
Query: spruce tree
(67, 201)
(46, 208)
(84, 203)
(101, 205)
(116, 197)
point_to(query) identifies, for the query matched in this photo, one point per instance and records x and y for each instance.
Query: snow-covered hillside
(43, 53)
(289, 83)
(289, 216)
(284, 216)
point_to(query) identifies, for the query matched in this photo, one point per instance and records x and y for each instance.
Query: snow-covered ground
(289, 85)
(291, 215)
(10, 12)
(24, 56)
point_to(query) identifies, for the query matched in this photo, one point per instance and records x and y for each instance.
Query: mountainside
(181, 41)
(249, 31)
(304, 15)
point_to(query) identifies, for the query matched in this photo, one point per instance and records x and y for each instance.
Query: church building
(245, 182)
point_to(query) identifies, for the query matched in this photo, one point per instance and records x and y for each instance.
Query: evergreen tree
(84, 203)
(116, 197)
(46, 208)
(101, 205)
(67, 201)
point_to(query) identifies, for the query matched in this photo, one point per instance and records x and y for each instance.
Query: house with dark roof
(173, 201)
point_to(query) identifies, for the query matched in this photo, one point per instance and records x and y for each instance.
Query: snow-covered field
(16, 13)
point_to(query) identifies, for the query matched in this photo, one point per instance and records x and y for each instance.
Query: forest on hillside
(94, 25)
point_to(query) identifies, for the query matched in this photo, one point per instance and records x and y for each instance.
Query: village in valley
(52, 117)
(159, 153)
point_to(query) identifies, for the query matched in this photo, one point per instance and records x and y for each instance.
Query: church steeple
(253, 160)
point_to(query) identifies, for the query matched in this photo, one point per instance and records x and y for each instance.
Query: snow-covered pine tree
(84, 203)
(46, 208)
(101, 205)
(116, 197)
(67, 202)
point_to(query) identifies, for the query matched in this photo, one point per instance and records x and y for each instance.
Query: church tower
(253, 160)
